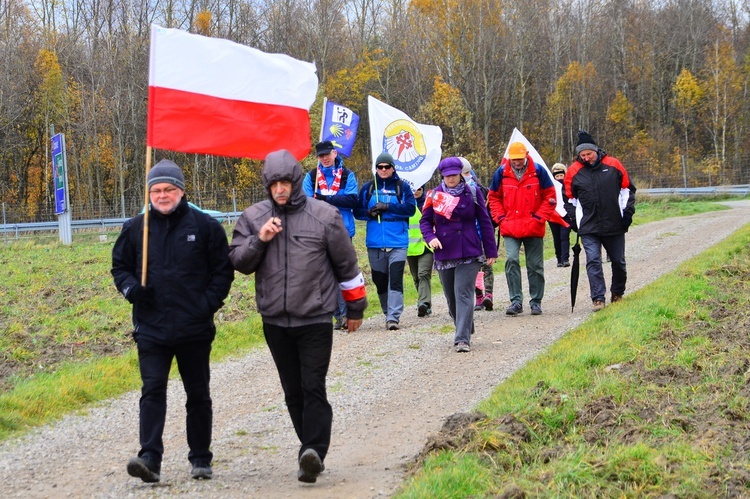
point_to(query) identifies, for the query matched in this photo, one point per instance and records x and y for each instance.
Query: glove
(627, 219)
(141, 294)
(377, 210)
(381, 207)
(327, 199)
(572, 222)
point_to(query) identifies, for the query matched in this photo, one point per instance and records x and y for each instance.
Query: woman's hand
(435, 244)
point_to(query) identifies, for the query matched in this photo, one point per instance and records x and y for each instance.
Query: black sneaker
(144, 469)
(391, 326)
(340, 324)
(310, 466)
(536, 309)
(514, 309)
(422, 309)
(202, 471)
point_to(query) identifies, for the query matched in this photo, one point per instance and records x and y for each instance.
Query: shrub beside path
(390, 391)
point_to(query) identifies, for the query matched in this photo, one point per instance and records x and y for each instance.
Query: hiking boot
(598, 305)
(463, 347)
(422, 309)
(615, 298)
(310, 466)
(487, 301)
(536, 309)
(566, 263)
(478, 305)
(559, 264)
(391, 326)
(143, 468)
(514, 309)
(202, 470)
(340, 324)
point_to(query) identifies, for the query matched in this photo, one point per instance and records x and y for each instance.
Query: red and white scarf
(323, 185)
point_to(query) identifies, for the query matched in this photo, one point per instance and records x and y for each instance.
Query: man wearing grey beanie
(600, 205)
(188, 277)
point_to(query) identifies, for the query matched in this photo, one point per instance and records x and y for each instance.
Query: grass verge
(648, 398)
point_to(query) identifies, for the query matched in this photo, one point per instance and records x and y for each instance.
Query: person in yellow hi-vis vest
(420, 259)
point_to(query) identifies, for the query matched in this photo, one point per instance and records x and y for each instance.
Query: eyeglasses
(383, 167)
(159, 192)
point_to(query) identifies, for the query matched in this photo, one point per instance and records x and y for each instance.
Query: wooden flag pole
(144, 262)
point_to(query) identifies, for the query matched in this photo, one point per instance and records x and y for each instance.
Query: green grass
(647, 398)
(65, 340)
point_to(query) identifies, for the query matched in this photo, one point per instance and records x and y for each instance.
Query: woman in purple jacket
(456, 225)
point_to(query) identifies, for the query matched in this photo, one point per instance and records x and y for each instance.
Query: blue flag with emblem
(339, 126)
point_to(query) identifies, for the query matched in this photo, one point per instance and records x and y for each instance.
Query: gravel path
(390, 391)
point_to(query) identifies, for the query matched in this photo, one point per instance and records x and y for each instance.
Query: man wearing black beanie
(601, 204)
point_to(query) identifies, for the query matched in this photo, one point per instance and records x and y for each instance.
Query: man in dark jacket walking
(188, 277)
(601, 204)
(302, 255)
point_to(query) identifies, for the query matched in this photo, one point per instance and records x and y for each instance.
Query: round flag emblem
(404, 141)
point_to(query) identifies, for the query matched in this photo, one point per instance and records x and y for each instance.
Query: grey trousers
(458, 287)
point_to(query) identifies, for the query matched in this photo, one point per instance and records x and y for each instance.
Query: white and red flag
(214, 96)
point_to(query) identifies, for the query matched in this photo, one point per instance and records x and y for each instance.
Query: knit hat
(585, 142)
(558, 168)
(323, 147)
(466, 165)
(384, 157)
(166, 171)
(450, 166)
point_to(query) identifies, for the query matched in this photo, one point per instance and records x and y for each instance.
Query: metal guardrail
(731, 190)
(17, 228)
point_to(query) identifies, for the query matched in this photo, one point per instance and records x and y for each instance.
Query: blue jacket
(391, 228)
(345, 200)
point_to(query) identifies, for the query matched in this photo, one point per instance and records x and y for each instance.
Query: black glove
(381, 207)
(377, 210)
(327, 199)
(572, 222)
(627, 219)
(141, 294)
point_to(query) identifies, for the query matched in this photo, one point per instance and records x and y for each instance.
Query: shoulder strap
(399, 189)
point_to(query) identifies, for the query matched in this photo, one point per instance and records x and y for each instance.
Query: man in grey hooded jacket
(301, 254)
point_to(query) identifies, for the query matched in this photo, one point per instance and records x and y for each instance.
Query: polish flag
(214, 96)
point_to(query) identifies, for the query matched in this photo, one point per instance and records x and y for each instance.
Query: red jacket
(521, 208)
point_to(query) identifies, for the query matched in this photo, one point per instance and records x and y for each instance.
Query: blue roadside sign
(58, 169)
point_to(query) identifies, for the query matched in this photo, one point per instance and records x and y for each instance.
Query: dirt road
(390, 391)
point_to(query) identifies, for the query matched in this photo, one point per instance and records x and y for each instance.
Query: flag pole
(323, 118)
(144, 261)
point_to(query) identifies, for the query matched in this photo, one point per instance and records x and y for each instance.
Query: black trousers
(561, 240)
(155, 361)
(302, 356)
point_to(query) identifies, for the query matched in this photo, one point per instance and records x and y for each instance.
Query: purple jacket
(459, 235)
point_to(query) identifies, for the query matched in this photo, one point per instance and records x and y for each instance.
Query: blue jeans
(458, 287)
(155, 361)
(388, 277)
(302, 356)
(615, 247)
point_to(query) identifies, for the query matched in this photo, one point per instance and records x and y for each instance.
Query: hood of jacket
(281, 165)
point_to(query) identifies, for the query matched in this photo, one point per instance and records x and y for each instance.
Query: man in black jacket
(601, 204)
(189, 275)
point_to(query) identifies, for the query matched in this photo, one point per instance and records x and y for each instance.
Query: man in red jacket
(522, 199)
(601, 206)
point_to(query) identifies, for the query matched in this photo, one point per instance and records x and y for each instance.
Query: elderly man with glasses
(189, 275)
(387, 203)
